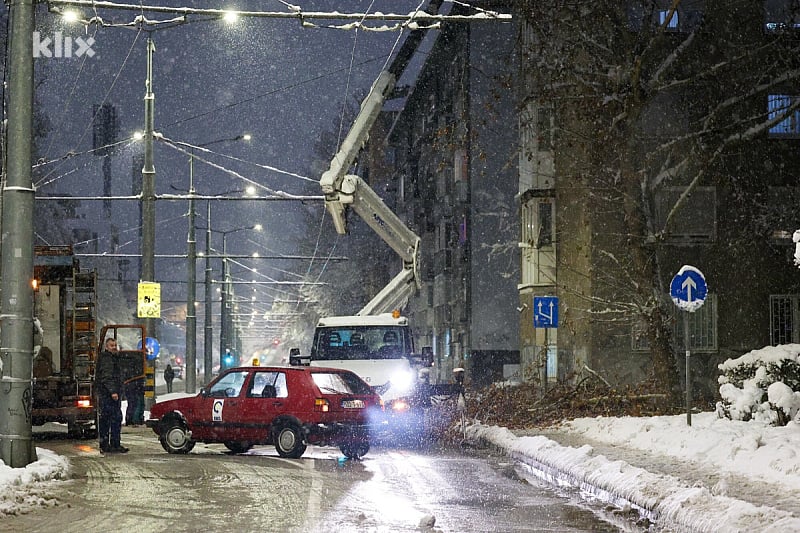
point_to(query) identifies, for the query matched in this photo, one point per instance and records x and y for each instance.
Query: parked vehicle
(65, 304)
(288, 407)
(380, 349)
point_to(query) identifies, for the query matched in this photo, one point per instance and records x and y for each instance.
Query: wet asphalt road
(210, 490)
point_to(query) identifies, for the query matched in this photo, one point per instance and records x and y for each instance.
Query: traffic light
(227, 361)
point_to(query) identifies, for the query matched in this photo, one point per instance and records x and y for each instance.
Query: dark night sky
(271, 78)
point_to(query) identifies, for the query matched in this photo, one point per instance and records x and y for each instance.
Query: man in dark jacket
(108, 383)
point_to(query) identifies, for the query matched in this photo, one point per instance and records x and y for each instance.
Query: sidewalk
(671, 491)
(688, 473)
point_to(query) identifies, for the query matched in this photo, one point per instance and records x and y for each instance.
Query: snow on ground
(24, 489)
(715, 475)
(713, 454)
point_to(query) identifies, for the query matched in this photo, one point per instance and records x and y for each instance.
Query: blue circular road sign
(152, 346)
(688, 289)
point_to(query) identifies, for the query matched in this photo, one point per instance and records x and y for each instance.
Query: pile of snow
(762, 385)
(760, 459)
(36, 485)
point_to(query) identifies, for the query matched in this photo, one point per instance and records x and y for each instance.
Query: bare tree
(652, 100)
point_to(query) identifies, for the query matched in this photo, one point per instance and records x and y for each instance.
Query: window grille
(782, 313)
(777, 106)
(702, 329)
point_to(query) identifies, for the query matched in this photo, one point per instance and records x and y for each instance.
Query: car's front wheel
(238, 447)
(289, 442)
(355, 450)
(175, 437)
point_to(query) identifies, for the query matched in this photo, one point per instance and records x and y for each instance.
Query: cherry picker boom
(377, 343)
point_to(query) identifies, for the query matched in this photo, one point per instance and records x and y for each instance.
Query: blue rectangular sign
(545, 311)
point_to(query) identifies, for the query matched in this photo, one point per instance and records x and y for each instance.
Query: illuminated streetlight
(230, 16)
(70, 16)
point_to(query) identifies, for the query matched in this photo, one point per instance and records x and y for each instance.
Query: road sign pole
(688, 290)
(688, 368)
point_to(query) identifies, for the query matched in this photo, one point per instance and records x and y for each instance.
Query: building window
(702, 329)
(783, 328)
(544, 236)
(778, 106)
(673, 20)
(781, 15)
(544, 128)
(695, 222)
(537, 138)
(655, 14)
(537, 223)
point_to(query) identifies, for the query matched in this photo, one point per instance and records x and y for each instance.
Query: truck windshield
(361, 342)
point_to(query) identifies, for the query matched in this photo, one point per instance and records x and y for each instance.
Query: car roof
(294, 368)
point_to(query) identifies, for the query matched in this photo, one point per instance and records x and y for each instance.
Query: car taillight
(322, 405)
(84, 402)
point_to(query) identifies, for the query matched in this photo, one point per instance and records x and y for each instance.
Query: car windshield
(228, 385)
(361, 342)
(340, 383)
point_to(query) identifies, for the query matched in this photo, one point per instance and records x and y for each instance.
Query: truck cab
(379, 348)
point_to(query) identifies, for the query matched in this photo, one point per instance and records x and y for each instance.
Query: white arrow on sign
(550, 316)
(688, 285)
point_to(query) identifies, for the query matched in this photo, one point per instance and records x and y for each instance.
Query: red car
(288, 407)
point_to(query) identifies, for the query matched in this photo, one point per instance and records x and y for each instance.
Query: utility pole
(191, 313)
(208, 337)
(224, 302)
(148, 194)
(16, 309)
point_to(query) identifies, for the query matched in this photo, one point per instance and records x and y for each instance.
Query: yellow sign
(149, 300)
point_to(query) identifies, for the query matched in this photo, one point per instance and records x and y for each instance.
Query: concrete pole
(16, 309)
(191, 288)
(223, 334)
(208, 338)
(148, 193)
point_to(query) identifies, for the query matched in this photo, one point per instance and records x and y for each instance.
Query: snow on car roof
(384, 319)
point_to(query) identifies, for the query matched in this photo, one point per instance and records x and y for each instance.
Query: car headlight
(402, 380)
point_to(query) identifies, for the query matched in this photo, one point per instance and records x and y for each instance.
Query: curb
(662, 499)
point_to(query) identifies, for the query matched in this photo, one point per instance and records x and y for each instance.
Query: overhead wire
(66, 103)
(339, 140)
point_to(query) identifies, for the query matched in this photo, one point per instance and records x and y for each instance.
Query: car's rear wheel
(238, 447)
(175, 437)
(355, 450)
(289, 442)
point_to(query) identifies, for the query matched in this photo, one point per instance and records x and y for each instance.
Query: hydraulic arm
(342, 189)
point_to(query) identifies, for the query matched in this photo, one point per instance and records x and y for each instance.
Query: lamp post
(191, 273)
(191, 289)
(225, 343)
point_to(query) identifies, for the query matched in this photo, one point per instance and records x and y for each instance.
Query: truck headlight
(402, 380)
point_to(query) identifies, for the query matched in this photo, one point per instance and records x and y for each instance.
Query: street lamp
(208, 338)
(191, 272)
(226, 331)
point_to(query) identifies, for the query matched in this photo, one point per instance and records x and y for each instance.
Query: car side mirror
(295, 359)
(203, 392)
